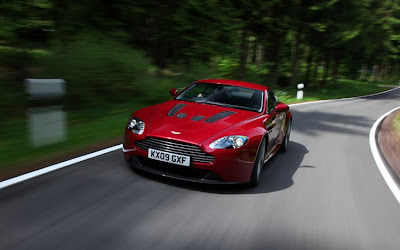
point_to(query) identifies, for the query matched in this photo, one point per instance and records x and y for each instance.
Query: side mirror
(281, 107)
(173, 92)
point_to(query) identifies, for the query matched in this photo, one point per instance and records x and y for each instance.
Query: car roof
(244, 84)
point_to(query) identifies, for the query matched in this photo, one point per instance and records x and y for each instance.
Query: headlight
(136, 125)
(233, 141)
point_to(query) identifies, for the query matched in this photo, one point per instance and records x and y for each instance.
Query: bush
(99, 71)
(228, 67)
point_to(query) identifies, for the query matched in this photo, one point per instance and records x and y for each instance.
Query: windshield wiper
(222, 104)
(232, 106)
(216, 103)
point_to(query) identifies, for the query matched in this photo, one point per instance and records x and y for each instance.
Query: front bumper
(176, 171)
(230, 165)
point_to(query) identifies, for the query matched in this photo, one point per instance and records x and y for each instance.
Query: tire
(258, 164)
(285, 144)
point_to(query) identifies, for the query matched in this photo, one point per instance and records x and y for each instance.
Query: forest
(107, 50)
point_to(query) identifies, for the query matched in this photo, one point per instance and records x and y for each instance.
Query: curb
(385, 170)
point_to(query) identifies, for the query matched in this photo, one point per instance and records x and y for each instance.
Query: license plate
(168, 157)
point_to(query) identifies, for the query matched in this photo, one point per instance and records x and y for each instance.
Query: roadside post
(300, 88)
(45, 117)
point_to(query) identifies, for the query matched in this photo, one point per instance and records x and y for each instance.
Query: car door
(274, 121)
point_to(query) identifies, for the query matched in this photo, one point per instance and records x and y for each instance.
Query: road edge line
(57, 166)
(343, 99)
(378, 159)
(51, 168)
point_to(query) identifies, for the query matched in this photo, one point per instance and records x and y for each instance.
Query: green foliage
(25, 23)
(197, 71)
(261, 69)
(227, 66)
(342, 89)
(12, 101)
(331, 38)
(338, 32)
(98, 71)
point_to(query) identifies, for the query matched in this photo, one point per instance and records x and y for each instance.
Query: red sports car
(214, 131)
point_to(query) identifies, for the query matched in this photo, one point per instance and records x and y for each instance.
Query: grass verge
(83, 129)
(342, 89)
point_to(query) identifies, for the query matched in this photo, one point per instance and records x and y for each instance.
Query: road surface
(326, 192)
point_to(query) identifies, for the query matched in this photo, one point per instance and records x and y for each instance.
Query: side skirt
(272, 152)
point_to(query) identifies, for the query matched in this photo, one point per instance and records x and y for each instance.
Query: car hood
(193, 122)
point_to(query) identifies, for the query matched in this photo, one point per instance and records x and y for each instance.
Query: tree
(25, 23)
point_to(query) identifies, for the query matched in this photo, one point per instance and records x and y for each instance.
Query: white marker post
(47, 124)
(300, 88)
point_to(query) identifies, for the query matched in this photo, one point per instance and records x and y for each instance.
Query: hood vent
(219, 116)
(197, 118)
(181, 115)
(175, 109)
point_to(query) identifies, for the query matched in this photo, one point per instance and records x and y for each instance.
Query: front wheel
(258, 164)
(284, 146)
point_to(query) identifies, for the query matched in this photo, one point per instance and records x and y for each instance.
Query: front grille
(169, 168)
(194, 151)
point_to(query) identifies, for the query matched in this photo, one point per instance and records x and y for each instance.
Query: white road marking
(64, 164)
(379, 162)
(126, 150)
(57, 166)
(342, 99)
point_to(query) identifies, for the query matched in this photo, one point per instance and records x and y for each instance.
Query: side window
(271, 101)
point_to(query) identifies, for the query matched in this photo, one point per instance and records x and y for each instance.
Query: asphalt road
(325, 193)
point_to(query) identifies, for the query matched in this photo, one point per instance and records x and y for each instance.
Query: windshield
(224, 95)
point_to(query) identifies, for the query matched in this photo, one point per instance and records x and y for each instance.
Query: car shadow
(277, 175)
